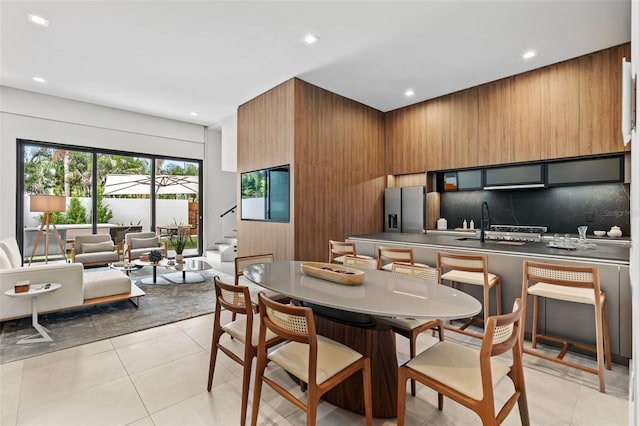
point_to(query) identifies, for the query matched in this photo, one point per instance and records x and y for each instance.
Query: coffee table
(154, 279)
(34, 291)
(125, 267)
(187, 274)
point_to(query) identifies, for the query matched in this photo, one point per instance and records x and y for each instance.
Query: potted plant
(181, 241)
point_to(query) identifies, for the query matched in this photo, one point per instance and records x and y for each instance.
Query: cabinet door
(406, 140)
(493, 118)
(600, 100)
(525, 117)
(438, 132)
(560, 131)
(464, 129)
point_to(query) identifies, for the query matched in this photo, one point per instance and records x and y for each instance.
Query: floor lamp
(47, 204)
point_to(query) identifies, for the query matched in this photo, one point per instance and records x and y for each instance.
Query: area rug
(163, 304)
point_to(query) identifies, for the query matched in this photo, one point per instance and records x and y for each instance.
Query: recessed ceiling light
(310, 39)
(39, 20)
(529, 54)
(39, 80)
(408, 93)
(193, 113)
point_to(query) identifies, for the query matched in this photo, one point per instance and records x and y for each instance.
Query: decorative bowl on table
(599, 233)
(331, 272)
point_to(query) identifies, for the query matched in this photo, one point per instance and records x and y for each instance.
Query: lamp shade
(48, 203)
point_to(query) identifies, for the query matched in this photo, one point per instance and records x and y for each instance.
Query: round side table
(35, 290)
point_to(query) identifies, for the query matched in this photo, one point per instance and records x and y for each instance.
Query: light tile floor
(159, 376)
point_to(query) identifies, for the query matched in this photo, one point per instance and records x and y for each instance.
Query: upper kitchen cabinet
(494, 136)
(438, 133)
(560, 130)
(600, 100)
(463, 141)
(406, 140)
(525, 116)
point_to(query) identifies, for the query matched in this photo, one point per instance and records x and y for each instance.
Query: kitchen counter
(611, 256)
(605, 252)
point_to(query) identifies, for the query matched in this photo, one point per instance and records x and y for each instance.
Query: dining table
(354, 315)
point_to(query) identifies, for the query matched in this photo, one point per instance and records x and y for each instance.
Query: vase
(179, 257)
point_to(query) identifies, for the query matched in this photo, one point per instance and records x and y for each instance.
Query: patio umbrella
(141, 184)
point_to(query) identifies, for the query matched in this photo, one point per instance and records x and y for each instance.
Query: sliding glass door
(104, 192)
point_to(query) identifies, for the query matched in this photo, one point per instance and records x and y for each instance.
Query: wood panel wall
(266, 139)
(335, 147)
(339, 159)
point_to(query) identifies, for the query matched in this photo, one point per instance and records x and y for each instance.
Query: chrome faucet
(485, 219)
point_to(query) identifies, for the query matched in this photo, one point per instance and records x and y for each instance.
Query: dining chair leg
(498, 287)
(313, 399)
(366, 382)
(402, 395)
(412, 354)
(214, 353)
(261, 364)
(246, 378)
(599, 345)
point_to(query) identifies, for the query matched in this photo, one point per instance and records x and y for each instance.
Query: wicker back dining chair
(320, 362)
(245, 330)
(468, 376)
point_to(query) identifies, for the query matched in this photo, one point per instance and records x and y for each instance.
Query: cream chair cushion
(237, 329)
(137, 243)
(407, 323)
(332, 358)
(97, 247)
(389, 266)
(457, 367)
(561, 292)
(476, 278)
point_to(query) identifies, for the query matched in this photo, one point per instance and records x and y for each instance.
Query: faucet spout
(485, 219)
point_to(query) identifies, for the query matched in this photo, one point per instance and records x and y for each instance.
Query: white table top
(34, 290)
(382, 293)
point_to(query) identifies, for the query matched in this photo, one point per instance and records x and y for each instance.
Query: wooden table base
(379, 344)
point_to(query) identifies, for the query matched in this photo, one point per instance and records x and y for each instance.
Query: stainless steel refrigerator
(404, 209)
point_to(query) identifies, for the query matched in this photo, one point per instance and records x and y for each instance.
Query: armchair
(137, 243)
(95, 249)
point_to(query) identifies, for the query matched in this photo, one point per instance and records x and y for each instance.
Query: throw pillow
(95, 247)
(137, 243)
(5, 263)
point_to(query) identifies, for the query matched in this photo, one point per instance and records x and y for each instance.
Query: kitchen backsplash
(560, 209)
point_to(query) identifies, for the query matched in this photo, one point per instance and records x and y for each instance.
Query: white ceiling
(168, 58)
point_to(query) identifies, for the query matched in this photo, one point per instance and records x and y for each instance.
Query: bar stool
(395, 254)
(469, 269)
(339, 249)
(578, 284)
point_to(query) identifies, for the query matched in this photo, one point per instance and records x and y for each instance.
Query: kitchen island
(505, 258)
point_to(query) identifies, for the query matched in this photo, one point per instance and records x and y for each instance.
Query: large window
(105, 192)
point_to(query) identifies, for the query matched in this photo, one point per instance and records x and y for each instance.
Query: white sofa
(79, 288)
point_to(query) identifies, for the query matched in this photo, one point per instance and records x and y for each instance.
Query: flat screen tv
(264, 194)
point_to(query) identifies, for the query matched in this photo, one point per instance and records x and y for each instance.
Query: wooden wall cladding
(414, 179)
(266, 139)
(562, 110)
(339, 158)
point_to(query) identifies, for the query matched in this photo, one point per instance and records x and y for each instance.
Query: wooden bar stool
(395, 254)
(577, 284)
(470, 269)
